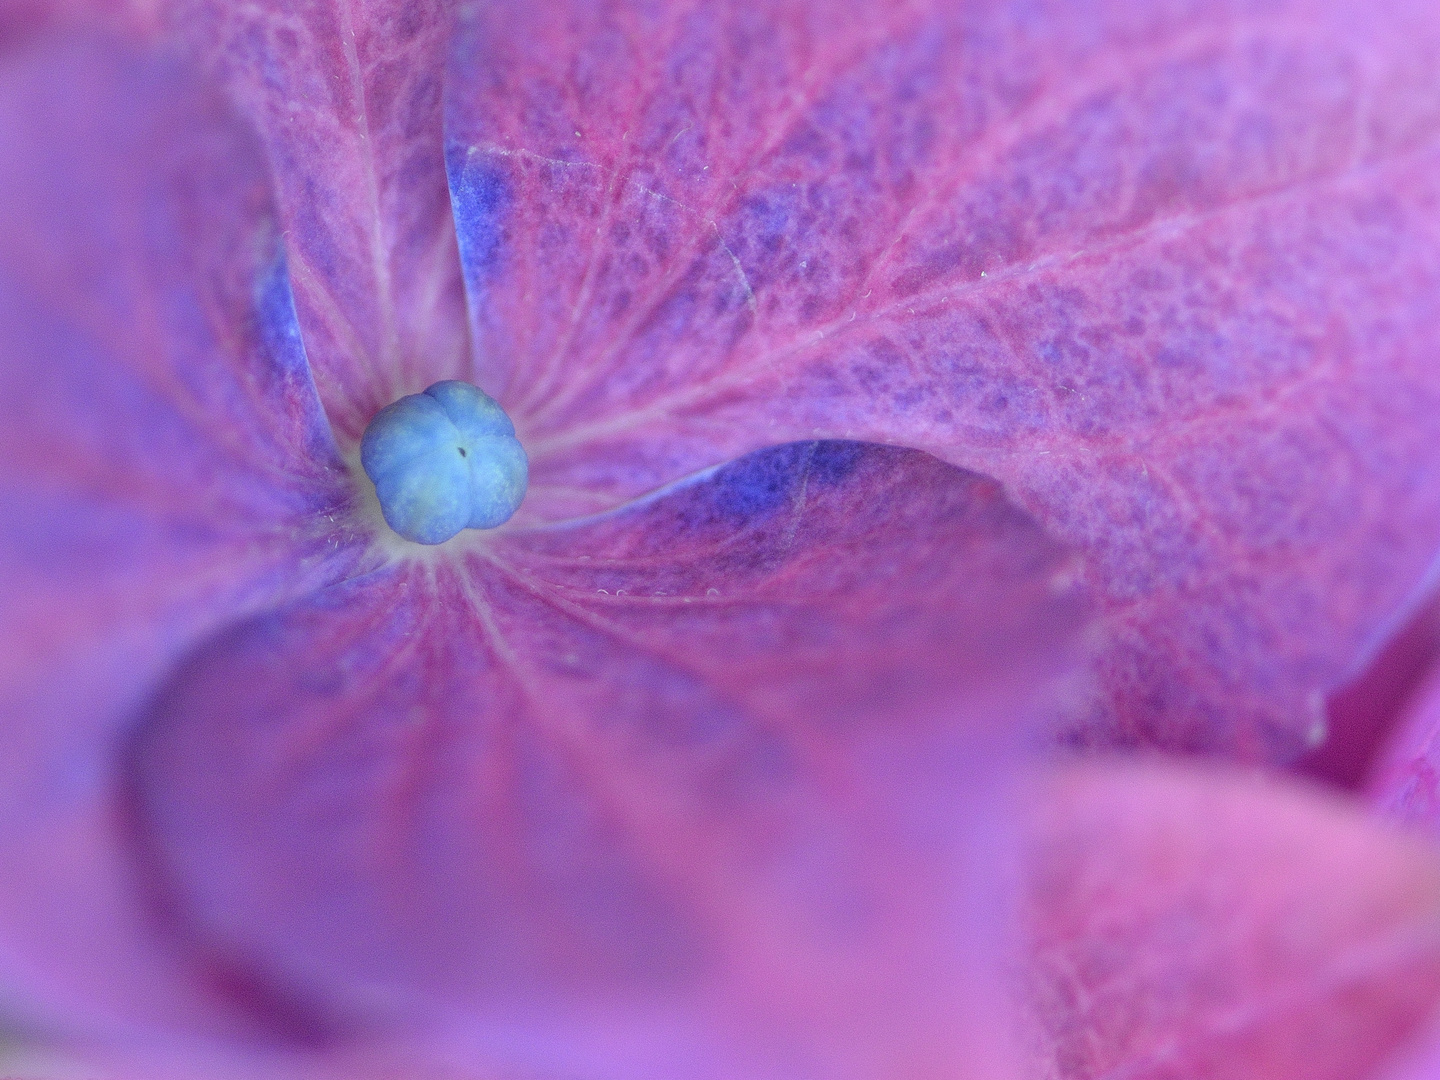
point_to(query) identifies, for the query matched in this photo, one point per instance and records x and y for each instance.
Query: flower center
(443, 461)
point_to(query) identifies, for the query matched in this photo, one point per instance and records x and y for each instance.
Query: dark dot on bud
(425, 494)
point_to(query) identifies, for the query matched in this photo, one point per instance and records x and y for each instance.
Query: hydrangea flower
(902, 388)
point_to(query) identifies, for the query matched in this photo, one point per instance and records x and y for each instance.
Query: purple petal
(712, 785)
(347, 98)
(1203, 925)
(164, 466)
(1168, 270)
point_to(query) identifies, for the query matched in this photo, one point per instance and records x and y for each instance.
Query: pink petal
(1168, 270)
(712, 785)
(164, 467)
(347, 100)
(1197, 924)
(1420, 1061)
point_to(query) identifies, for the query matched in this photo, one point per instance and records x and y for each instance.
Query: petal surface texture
(1192, 924)
(712, 785)
(165, 465)
(347, 100)
(1170, 271)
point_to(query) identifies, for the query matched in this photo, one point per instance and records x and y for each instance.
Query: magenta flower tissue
(715, 540)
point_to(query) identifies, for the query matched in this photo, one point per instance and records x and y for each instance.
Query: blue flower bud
(443, 461)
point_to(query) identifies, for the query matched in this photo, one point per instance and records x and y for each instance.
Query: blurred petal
(1168, 270)
(347, 98)
(710, 786)
(164, 466)
(1196, 924)
(25, 21)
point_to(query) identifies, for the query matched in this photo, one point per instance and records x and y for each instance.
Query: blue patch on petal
(280, 332)
(747, 491)
(835, 460)
(480, 196)
(279, 325)
(761, 483)
(767, 480)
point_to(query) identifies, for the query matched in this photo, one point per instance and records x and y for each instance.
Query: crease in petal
(346, 97)
(1365, 715)
(714, 784)
(1168, 271)
(1404, 782)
